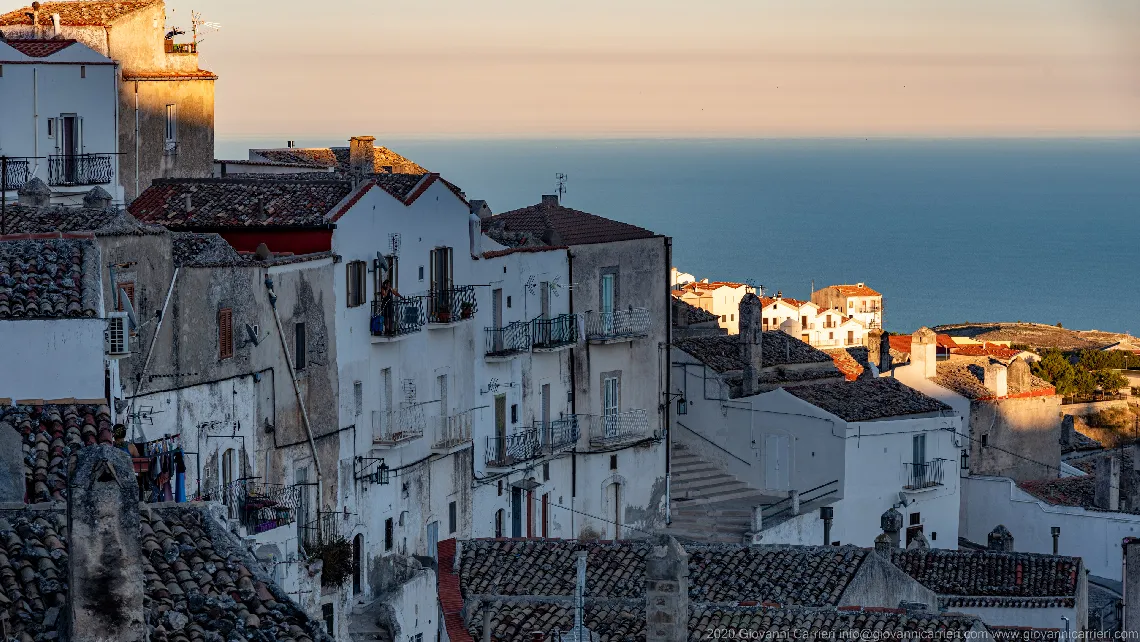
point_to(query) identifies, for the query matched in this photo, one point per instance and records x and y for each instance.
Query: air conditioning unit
(116, 338)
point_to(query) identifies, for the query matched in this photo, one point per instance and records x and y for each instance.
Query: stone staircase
(708, 504)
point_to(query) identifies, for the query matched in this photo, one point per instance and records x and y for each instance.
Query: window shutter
(129, 288)
(225, 333)
(349, 297)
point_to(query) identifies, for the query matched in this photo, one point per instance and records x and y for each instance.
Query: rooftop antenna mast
(197, 23)
(561, 178)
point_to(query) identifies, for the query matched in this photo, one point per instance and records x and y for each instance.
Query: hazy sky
(667, 68)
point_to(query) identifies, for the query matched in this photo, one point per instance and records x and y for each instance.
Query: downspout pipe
(153, 338)
(573, 399)
(296, 389)
(668, 347)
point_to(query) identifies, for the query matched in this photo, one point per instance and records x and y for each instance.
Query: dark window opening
(388, 534)
(514, 413)
(356, 279)
(499, 523)
(500, 488)
(328, 613)
(451, 517)
(301, 357)
(225, 333)
(545, 471)
(613, 462)
(985, 439)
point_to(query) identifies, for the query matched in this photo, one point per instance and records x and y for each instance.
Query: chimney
(55, 25)
(666, 592)
(480, 208)
(892, 522)
(885, 362)
(362, 155)
(187, 205)
(751, 338)
(1068, 427)
(290, 144)
(105, 601)
(1018, 376)
(580, 633)
(35, 193)
(475, 234)
(924, 352)
(827, 514)
(1106, 492)
(918, 542)
(884, 545)
(1000, 539)
(550, 199)
(872, 340)
(997, 379)
(779, 295)
(97, 198)
(1130, 625)
(35, 16)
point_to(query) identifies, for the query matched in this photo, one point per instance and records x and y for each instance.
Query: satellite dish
(252, 334)
(125, 305)
(381, 262)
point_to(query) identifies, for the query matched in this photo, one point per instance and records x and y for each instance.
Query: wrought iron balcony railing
(448, 305)
(559, 435)
(452, 430)
(390, 427)
(324, 529)
(259, 507)
(17, 172)
(505, 341)
(512, 449)
(79, 169)
(618, 324)
(399, 316)
(617, 428)
(547, 334)
(924, 475)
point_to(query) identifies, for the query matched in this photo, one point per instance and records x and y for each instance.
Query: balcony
(390, 428)
(259, 507)
(923, 476)
(404, 316)
(504, 452)
(448, 306)
(620, 325)
(325, 529)
(17, 171)
(559, 435)
(453, 432)
(504, 343)
(558, 333)
(79, 169)
(620, 428)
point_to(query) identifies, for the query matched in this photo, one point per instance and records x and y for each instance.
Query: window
(546, 514)
(806, 338)
(831, 336)
(171, 123)
(545, 471)
(850, 336)
(388, 534)
(328, 613)
(51, 127)
(732, 317)
(127, 287)
(850, 304)
(225, 333)
(358, 397)
(985, 439)
(82, 71)
(803, 322)
(451, 517)
(392, 275)
(441, 269)
(356, 282)
(609, 290)
(514, 413)
(421, 273)
(914, 528)
(500, 488)
(302, 356)
(508, 300)
(499, 522)
(613, 462)
(724, 317)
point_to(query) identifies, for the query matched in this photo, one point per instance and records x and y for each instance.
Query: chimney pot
(1000, 539)
(550, 199)
(186, 203)
(779, 294)
(362, 155)
(997, 379)
(751, 338)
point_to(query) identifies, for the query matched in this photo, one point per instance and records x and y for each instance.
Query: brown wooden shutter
(129, 288)
(225, 333)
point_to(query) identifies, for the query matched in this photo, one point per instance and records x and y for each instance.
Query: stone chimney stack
(480, 208)
(1000, 539)
(97, 198)
(667, 592)
(997, 379)
(550, 199)
(1131, 614)
(12, 483)
(104, 571)
(1106, 491)
(752, 343)
(892, 523)
(884, 545)
(1018, 376)
(924, 352)
(35, 193)
(361, 155)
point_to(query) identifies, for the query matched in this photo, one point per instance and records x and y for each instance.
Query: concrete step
(733, 514)
(745, 494)
(690, 468)
(690, 476)
(709, 486)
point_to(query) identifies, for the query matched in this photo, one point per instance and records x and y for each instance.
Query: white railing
(620, 323)
(607, 430)
(452, 430)
(397, 425)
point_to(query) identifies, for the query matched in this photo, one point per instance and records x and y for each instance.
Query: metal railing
(556, 332)
(398, 425)
(448, 305)
(322, 530)
(607, 430)
(17, 172)
(259, 507)
(79, 169)
(797, 500)
(453, 430)
(923, 475)
(512, 339)
(512, 449)
(620, 323)
(560, 434)
(402, 315)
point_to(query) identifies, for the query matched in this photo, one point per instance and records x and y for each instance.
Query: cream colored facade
(819, 327)
(858, 301)
(721, 298)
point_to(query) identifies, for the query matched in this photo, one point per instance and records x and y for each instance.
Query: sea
(949, 231)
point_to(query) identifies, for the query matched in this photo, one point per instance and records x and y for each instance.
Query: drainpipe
(573, 398)
(118, 169)
(36, 119)
(668, 379)
(296, 390)
(153, 339)
(1056, 532)
(136, 139)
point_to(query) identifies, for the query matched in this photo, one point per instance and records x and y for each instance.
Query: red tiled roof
(78, 13)
(901, 342)
(530, 248)
(217, 203)
(846, 363)
(450, 597)
(570, 226)
(854, 290)
(338, 157)
(39, 48)
(201, 74)
(987, 350)
(795, 303)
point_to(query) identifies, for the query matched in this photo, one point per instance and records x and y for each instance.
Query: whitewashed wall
(52, 358)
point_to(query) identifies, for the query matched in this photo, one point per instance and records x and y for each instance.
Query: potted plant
(444, 315)
(465, 310)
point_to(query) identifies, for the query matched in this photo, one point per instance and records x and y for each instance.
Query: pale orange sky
(664, 68)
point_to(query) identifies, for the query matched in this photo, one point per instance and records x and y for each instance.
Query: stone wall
(1021, 437)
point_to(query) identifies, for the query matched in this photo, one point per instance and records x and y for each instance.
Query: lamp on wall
(682, 403)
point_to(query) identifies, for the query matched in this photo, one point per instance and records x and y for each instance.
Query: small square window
(915, 519)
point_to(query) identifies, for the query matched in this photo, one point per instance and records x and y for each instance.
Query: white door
(432, 539)
(777, 462)
(607, 304)
(611, 392)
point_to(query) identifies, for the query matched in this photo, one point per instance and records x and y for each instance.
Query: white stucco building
(59, 119)
(721, 298)
(858, 301)
(817, 326)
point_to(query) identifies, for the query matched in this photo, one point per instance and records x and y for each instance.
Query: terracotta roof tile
(78, 13)
(987, 350)
(550, 223)
(724, 353)
(847, 364)
(867, 399)
(217, 203)
(338, 157)
(48, 278)
(29, 219)
(51, 434)
(200, 74)
(692, 313)
(854, 290)
(989, 574)
(39, 48)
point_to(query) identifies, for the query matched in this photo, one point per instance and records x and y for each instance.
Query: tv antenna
(197, 24)
(561, 178)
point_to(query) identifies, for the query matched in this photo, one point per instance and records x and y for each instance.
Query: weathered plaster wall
(1018, 434)
(194, 157)
(35, 349)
